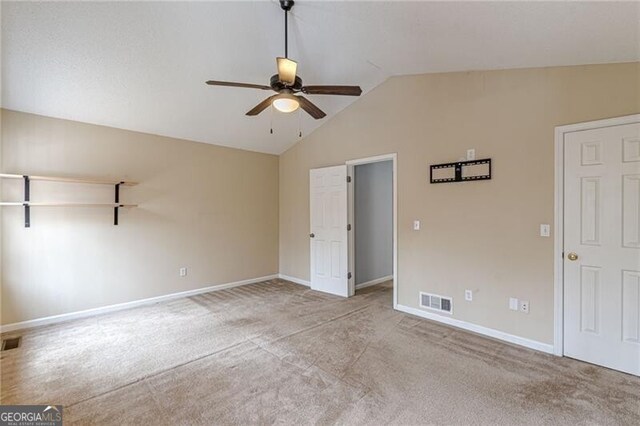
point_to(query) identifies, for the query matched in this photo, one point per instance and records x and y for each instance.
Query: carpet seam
(157, 373)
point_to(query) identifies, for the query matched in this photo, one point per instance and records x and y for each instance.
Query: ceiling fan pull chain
(271, 120)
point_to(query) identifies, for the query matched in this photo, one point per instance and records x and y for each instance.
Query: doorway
(332, 228)
(598, 243)
(372, 210)
(372, 226)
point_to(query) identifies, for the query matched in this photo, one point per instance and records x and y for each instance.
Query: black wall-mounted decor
(461, 171)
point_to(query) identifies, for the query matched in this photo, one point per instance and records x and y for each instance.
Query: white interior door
(328, 235)
(602, 247)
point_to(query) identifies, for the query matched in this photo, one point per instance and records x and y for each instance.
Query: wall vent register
(10, 343)
(435, 302)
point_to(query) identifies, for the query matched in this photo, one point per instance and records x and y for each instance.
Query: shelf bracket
(27, 208)
(117, 201)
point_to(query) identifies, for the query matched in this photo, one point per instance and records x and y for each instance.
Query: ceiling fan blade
(332, 90)
(310, 108)
(287, 70)
(261, 106)
(233, 84)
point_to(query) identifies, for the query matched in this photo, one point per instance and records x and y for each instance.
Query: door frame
(393, 157)
(558, 255)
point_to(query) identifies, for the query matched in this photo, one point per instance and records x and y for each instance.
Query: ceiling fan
(286, 84)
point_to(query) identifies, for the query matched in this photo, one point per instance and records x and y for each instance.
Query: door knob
(312, 235)
(572, 257)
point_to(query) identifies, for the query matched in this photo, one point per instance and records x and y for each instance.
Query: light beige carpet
(277, 352)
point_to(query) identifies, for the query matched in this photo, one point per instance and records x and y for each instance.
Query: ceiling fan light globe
(286, 103)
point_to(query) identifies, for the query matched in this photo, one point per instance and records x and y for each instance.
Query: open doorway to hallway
(371, 214)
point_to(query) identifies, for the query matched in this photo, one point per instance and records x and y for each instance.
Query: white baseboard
(532, 344)
(294, 280)
(120, 306)
(490, 332)
(374, 282)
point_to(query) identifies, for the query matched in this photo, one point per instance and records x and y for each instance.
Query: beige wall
(215, 210)
(476, 235)
(211, 209)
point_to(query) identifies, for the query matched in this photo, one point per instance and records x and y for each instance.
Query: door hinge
(349, 276)
(349, 227)
(348, 179)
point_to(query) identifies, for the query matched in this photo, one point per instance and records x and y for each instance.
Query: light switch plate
(545, 230)
(468, 295)
(471, 154)
(183, 272)
(416, 225)
(513, 304)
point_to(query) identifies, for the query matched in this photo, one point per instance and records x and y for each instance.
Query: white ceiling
(142, 66)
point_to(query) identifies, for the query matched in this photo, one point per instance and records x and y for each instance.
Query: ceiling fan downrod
(286, 5)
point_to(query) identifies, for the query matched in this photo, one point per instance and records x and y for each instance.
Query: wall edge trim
(374, 282)
(55, 319)
(479, 329)
(295, 280)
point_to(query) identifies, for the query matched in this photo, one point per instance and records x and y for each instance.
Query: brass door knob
(572, 257)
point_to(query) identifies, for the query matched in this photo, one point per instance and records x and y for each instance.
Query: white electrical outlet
(471, 154)
(468, 295)
(524, 306)
(545, 230)
(416, 225)
(183, 272)
(513, 303)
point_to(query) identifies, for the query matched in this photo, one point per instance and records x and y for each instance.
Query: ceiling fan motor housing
(278, 85)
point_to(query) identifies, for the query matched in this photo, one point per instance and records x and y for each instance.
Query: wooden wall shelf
(27, 203)
(63, 204)
(69, 180)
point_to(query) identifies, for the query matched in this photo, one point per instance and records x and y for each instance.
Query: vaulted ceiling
(142, 66)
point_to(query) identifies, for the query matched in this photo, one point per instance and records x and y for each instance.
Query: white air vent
(436, 303)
